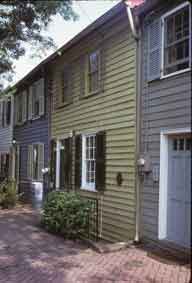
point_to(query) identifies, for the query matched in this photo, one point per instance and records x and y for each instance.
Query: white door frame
(163, 185)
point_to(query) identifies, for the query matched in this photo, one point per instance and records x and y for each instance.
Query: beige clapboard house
(93, 121)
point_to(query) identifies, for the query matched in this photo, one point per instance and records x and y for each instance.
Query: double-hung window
(66, 95)
(177, 40)
(88, 162)
(35, 162)
(169, 43)
(36, 101)
(21, 108)
(5, 112)
(4, 164)
(93, 71)
(8, 112)
(35, 154)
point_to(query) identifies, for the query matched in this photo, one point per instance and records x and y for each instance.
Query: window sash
(38, 102)
(35, 162)
(8, 112)
(88, 162)
(93, 74)
(35, 100)
(19, 108)
(176, 65)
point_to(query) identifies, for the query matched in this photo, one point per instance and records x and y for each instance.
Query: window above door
(176, 40)
(169, 43)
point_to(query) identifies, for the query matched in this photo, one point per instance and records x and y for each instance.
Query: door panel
(179, 192)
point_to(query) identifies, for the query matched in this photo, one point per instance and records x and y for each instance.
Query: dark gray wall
(165, 104)
(32, 132)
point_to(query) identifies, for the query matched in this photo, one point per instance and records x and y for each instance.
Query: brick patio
(30, 255)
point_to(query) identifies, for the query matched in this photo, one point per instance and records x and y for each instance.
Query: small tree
(23, 22)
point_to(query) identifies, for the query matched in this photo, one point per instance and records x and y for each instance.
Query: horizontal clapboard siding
(113, 111)
(166, 104)
(6, 133)
(33, 131)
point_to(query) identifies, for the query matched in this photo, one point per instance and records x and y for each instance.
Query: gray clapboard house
(165, 124)
(31, 135)
(6, 135)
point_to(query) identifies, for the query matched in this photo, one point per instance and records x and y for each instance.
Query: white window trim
(162, 42)
(84, 185)
(163, 185)
(58, 157)
(32, 179)
(35, 84)
(98, 51)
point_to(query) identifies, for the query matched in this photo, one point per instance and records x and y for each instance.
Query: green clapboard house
(93, 121)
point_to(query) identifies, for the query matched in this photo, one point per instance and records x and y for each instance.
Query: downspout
(136, 36)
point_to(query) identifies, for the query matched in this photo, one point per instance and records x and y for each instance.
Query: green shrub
(66, 214)
(8, 194)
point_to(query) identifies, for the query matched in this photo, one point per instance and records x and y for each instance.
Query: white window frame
(58, 158)
(35, 85)
(163, 38)
(84, 185)
(38, 180)
(98, 52)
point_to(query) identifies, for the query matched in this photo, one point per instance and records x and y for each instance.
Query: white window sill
(88, 188)
(175, 73)
(36, 117)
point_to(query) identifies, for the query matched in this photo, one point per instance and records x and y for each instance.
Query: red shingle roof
(134, 3)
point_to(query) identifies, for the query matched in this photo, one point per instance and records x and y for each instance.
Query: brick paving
(30, 255)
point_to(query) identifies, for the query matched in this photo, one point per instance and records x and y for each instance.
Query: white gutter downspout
(131, 19)
(138, 80)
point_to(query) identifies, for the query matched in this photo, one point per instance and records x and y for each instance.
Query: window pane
(93, 62)
(181, 144)
(93, 81)
(189, 144)
(178, 26)
(35, 162)
(175, 144)
(170, 34)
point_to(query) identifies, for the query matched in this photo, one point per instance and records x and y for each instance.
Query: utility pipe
(131, 20)
(136, 36)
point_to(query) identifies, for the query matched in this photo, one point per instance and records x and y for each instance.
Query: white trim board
(163, 185)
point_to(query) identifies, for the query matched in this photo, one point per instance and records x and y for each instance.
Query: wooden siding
(6, 134)
(166, 104)
(34, 131)
(113, 111)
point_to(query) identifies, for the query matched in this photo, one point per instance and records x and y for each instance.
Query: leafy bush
(65, 213)
(8, 194)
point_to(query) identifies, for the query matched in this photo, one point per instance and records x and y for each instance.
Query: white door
(179, 191)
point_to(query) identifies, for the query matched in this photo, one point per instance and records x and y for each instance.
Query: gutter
(136, 36)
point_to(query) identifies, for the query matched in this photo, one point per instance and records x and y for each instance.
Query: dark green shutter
(53, 163)
(70, 84)
(100, 153)
(8, 112)
(60, 98)
(82, 76)
(102, 67)
(78, 161)
(3, 114)
(68, 163)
